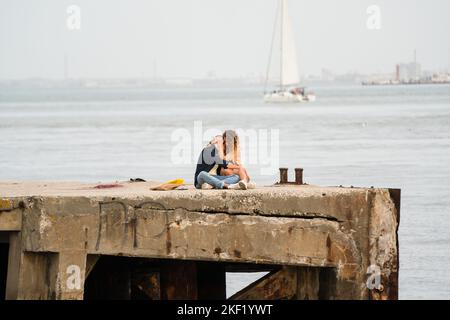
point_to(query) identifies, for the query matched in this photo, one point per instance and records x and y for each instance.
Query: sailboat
(289, 89)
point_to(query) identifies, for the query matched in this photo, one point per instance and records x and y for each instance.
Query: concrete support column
(71, 270)
(44, 275)
(36, 276)
(308, 283)
(12, 279)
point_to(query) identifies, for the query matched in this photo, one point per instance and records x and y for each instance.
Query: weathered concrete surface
(346, 229)
(10, 218)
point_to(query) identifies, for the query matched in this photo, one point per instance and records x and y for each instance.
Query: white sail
(289, 90)
(289, 68)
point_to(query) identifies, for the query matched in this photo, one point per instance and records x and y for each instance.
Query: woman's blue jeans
(216, 181)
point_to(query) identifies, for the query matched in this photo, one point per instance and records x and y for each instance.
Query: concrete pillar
(71, 270)
(308, 283)
(316, 283)
(12, 279)
(37, 276)
(44, 275)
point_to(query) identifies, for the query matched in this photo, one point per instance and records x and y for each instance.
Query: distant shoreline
(396, 83)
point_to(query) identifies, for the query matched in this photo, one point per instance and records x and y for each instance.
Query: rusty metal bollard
(298, 176)
(283, 175)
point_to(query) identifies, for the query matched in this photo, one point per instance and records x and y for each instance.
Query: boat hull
(288, 97)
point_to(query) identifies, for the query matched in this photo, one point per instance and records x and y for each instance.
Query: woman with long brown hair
(209, 164)
(232, 154)
(219, 164)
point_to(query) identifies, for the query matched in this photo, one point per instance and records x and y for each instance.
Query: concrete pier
(124, 241)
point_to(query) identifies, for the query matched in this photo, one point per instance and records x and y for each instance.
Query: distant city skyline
(185, 39)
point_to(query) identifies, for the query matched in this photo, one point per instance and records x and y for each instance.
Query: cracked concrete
(348, 229)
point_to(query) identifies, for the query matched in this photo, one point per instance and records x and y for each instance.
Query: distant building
(327, 75)
(408, 72)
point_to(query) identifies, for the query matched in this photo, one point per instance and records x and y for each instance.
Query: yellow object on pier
(169, 185)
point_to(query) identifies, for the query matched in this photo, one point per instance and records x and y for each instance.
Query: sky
(191, 38)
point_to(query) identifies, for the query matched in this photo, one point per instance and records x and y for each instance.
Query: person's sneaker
(243, 185)
(251, 185)
(206, 186)
(234, 186)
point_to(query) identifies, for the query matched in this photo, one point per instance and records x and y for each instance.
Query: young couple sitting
(219, 165)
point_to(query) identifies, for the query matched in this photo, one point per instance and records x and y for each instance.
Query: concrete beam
(277, 285)
(180, 234)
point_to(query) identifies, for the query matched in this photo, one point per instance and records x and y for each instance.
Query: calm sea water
(363, 136)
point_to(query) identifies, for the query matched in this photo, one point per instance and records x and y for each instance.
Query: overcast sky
(189, 38)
